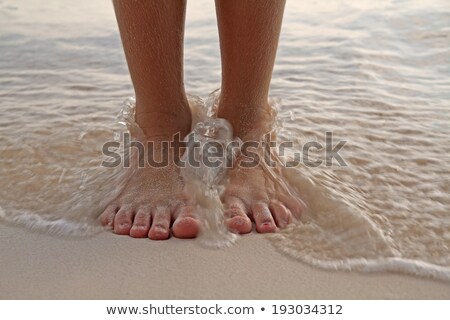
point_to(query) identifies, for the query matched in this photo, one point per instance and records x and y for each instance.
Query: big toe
(123, 220)
(185, 227)
(236, 218)
(239, 224)
(107, 216)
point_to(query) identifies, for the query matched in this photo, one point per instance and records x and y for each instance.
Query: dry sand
(40, 266)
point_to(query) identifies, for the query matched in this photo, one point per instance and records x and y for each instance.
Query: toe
(122, 220)
(160, 224)
(236, 218)
(107, 217)
(141, 223)
(263, 218)
(281, 214)
(185, 225)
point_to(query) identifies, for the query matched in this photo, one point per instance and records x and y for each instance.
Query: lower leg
(249, 32)
(152, 37)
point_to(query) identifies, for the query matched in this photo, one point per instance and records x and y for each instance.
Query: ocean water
(375, 74)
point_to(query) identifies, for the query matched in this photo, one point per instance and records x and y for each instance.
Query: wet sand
(40, 266)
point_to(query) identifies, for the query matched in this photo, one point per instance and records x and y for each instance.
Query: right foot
(152, 199)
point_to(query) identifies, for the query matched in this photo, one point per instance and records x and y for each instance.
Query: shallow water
(376, 75)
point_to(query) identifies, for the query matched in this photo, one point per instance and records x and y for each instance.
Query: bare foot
(252, 194)
(153, 202)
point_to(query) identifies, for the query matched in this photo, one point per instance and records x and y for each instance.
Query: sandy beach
(375, 75)
(40, 266)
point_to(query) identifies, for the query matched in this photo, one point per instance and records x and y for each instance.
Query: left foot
(252, 194)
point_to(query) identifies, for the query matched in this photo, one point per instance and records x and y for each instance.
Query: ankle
(164, 122)
(249, 122)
